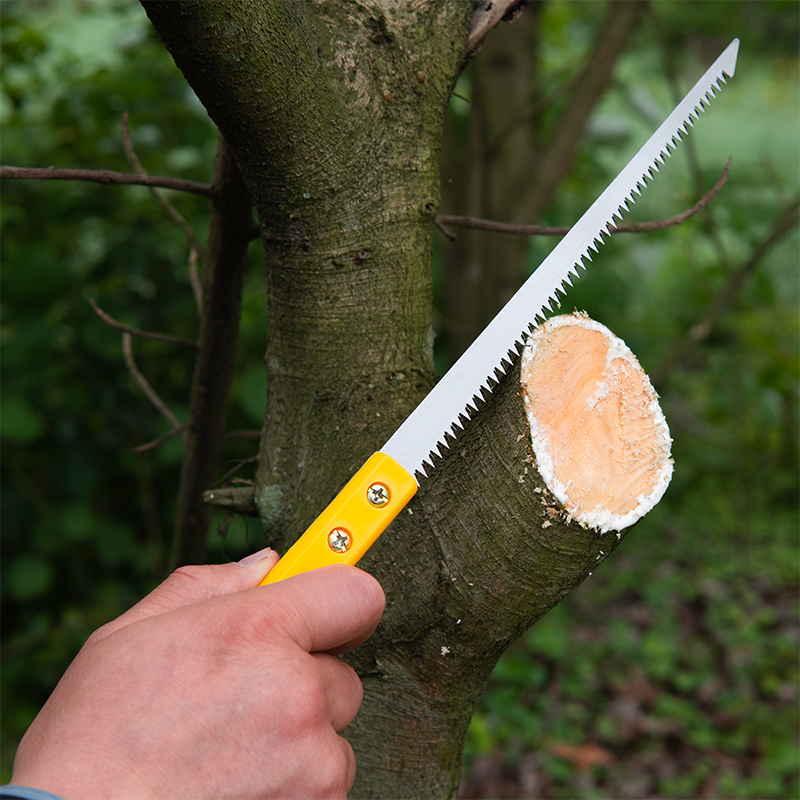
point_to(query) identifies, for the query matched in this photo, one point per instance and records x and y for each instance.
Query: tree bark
(334, 113)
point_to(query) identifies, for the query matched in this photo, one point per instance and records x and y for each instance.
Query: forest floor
(656, 678)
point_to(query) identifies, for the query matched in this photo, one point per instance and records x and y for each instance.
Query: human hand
(211, 688)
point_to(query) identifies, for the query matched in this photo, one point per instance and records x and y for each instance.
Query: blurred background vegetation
(673, 671)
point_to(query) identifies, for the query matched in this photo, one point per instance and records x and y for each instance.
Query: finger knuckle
(331, 773)
(309, 709)
(188, 573)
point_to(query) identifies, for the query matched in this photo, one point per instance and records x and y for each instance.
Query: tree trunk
(334, 113)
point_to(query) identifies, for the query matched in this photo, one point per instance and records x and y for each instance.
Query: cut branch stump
(601, 442)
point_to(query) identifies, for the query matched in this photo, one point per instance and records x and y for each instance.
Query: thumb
(191, 584)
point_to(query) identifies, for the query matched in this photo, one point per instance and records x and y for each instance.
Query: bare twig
(161, 439)
(105, 176)
(121, 326)
(785, 223)
(235, 498)
(478, 224)
(144, 385)
(488, 14)
(236, 465)
(172, 212)
(448, 234)
(194, 280)
(671, 222)
(475, 223)
(243, 435)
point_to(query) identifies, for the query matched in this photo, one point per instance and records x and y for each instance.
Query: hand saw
(381, 488)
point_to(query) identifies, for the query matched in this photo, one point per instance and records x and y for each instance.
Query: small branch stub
(601, 441)
(238, 499)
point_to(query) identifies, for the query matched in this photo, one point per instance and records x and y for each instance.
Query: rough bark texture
(334, 112)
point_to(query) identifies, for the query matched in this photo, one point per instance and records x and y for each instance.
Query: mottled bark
(334, 113)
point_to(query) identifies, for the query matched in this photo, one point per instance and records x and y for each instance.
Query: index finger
(331, 608)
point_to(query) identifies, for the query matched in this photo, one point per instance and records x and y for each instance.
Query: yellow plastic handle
(358, 515)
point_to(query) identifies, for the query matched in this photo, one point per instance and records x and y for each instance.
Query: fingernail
(254, 558)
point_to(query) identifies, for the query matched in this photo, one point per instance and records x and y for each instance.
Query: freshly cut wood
(601, 441)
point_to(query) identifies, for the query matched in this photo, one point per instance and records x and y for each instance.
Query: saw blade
(451, 403)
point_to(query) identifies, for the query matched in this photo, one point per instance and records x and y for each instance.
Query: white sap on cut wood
(601, 441)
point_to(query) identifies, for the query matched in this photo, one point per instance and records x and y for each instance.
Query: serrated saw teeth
(485, 361)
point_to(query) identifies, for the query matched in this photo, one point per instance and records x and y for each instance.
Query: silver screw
(339, 540)
(378, 495)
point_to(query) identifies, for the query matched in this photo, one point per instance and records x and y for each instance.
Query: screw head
(378, 494)
(339, 540)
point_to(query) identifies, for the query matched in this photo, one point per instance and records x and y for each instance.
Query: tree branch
(151, 394)
(488, 14)
(121, 326)
(172, 212)
(446, 232)
(235, 498)
(785, 223)
(229, 235)
(104, 176)
(160, 440)
(475, 223)
(556, 161)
